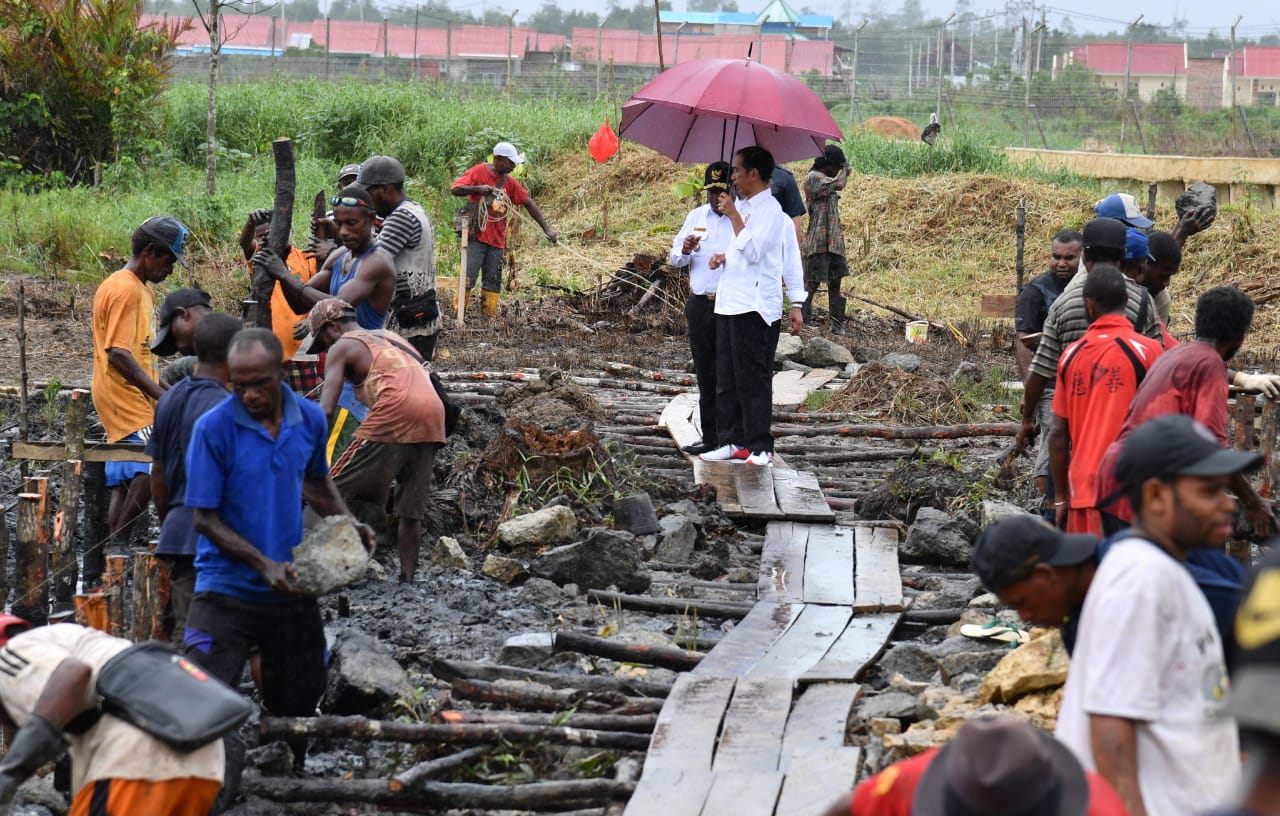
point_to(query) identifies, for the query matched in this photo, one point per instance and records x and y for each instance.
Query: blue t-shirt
(255, 484)
(176, 415)
(787, 192)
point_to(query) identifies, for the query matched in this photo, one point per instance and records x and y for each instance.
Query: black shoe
(695, 449)
(837, 327)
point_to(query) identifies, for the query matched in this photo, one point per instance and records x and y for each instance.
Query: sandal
(996, 630)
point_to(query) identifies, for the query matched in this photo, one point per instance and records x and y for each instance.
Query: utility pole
(1128, 65)
(942, 31)
(657, 24)
(448, 49)
(417, 11)
(910, 67)
(386, 47)
(1040, 40)
(600, 51)
(675, 58)
(853, 74)
(1026, 87)
(511, 22)
(1234, 109)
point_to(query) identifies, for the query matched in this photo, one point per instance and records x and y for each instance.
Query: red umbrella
(704, 110)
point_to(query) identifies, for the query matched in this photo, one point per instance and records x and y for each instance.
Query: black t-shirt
(785, 189)
(1034, 301)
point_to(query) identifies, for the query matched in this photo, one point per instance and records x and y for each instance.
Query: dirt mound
(554, 401)
(912, 485)
(893, 127)
(894, 396)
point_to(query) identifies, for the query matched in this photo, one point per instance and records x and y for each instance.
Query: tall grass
(872, 154)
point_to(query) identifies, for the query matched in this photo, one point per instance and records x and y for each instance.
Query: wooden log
(448, 670)
(96, 531)
(91, 611)
(635, 723)
(23, 398)
(415, 775)
(804, 454)
(140, 608)
(543, 796)
(157, 588)
(520, 694)
(361, 728)
(54, 451)
(66, 570)
(933, 616)
(31, 560)
(963, 431)
(278, 234)
(666, 657)
(675, 606)
(113, 585)
(4, 558)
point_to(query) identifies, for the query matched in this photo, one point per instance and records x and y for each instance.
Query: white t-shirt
(1148, 650)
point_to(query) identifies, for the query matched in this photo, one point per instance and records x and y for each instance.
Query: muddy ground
(461, 614)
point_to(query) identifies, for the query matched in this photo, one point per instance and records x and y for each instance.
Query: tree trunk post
(140, 606)
(31, 557)
(211, 124)
(96, 531)
(157, 582)
(113, 584)
(281, 222)
(67, 522)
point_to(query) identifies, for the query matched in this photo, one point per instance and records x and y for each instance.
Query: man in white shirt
(1145, 694)
(705, 233)
(762, 255)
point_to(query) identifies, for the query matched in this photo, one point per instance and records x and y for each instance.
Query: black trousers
(701, 316)
(744, 380)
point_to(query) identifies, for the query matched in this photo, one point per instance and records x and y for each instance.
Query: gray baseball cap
(380, 170)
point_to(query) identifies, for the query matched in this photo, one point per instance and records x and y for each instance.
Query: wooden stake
(64, 565)
(281, 222)
(31, 559)
(96, 532)
(462, 274)
(113, 585)
(442, 796)
(157, 587)
(4, 559)
(140, 608)
(91, 611)
(23, 407)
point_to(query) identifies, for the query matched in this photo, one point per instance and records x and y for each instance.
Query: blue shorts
(122, 473)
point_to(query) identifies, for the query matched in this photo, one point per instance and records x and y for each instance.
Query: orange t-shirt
(403, 405)
(122, 318)
(1097, 378)
(282, 315)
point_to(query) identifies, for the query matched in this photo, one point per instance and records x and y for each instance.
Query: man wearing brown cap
(404, 429)
(705, 233)
(823, 242)
(1144, 698)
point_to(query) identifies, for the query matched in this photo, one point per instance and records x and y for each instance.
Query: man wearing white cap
(495, 195)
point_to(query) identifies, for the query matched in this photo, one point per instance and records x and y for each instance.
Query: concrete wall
(1245, 182)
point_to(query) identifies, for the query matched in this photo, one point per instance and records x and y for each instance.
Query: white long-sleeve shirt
(716, 232)
(759, 259)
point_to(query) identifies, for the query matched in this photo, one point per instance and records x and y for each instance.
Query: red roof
(641, 48)
(1149, 59)
(1256, 61)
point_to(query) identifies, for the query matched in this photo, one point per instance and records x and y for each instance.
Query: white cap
(508, 151)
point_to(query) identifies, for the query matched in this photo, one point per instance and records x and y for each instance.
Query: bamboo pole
(461, 306)
(4, 559)
(31, 557)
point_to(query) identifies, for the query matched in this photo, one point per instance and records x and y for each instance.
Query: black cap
(1255, 675)
(349, 171)
(1007, 551)
(169, 232)
(164, 344)
(832, 156)
(1177, 445)
(1105, 233)
(380, 170)
(717, 176)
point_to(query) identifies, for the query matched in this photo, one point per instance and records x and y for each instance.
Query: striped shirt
(408, 235)
(1068, 320)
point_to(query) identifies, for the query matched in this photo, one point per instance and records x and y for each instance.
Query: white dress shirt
(716, 232)
(759, 259)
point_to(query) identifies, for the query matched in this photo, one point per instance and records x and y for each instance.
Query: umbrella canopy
(704, 110)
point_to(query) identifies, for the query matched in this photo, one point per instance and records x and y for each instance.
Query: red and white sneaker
(723, 453)
(741, 454)
(761, 458)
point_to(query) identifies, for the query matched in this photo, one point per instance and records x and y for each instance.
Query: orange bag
(604, 144)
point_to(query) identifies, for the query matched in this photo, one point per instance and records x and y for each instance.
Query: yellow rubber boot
(490, 306)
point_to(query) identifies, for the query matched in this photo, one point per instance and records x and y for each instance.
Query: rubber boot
(836, 313)
(490, 307)
(806, 310)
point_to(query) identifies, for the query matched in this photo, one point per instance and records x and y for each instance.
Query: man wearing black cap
(705, 233)
(1255, 691)
(1144, 696)
(180, 311)
(823, 243)
(1068, 318)
(125, 385)
(409, 238)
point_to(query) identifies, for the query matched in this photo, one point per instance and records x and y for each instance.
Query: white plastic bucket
(918, 331)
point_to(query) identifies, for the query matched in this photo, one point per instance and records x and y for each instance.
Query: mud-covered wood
(635, 723)
(782, 563)
(466, 669)
(720, 476)
(31, 558)
(675, 606)
(415, 775)
(446, 733)
(964, 431)
(667, 657)
(434, 796)
(799, 497)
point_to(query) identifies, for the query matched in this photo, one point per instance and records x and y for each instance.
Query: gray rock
(634, 514)
(605, 558)
(506, 570)
(742, 575)
(541, 592)
(960, 645)
(938, 538)
(791, 365)
(967, 373)
(966, 682)
(864, 354)
(820, 352)
(272, 759)
(527, 650)
(909, 363)
(790, 347)
(448, 554)
(973, 662)
(708, 567)
(1196, 196)
(550, 525)
(895, 704)
(363, 675)
(853, 368)
(676, 540)
(910, 661)
(330, 557)
(690, 510)
(994, 510)
(38, 795)
(986, 600)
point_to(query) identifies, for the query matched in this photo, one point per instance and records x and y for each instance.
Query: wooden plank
(671, 791)
(754, 486)
(804, 643)
(798, 495)
(859, 644)
(749, 641)
(813, 785)
(94, 452)
(828, 566)
(753, 725)
(782, 562)
(998, 305)
(878, 582)
(743, 794)
(818, 721)
(677, 419)
(720, 476)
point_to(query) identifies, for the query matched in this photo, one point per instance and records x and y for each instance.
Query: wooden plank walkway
(758, 727)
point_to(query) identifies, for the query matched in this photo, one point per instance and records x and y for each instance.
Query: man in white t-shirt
(1144, 699)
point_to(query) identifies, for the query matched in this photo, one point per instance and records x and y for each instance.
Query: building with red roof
(1257, 76)
(1154, 67)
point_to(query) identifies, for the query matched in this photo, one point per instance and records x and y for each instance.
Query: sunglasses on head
(349, 201)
